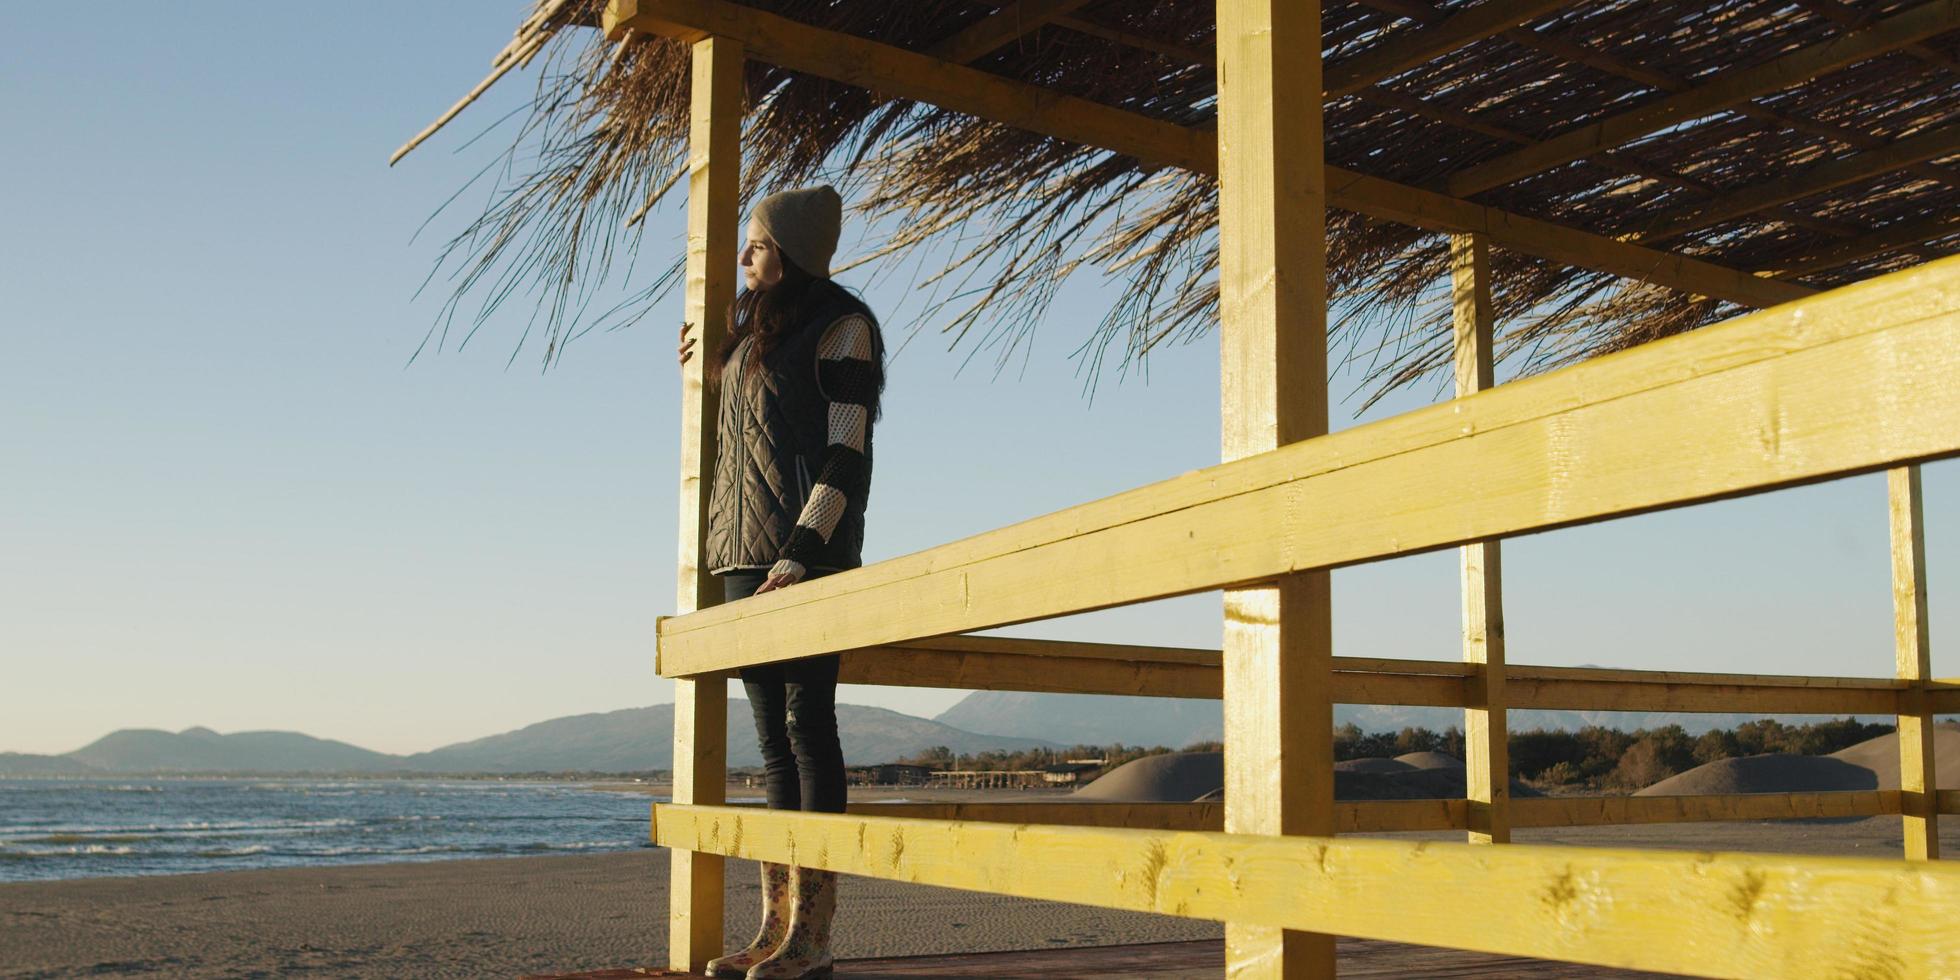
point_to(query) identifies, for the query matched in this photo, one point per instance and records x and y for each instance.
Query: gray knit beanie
(804, 223)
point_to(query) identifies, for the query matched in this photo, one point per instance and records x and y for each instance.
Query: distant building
(889, 774)
(1072, 772)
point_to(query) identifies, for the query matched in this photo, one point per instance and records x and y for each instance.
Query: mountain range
(629, 740)
(641, 739)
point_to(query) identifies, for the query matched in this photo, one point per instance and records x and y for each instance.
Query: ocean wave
(80, 850)
(186, 828)
(353, 850)
(227, 852)
(82, 839)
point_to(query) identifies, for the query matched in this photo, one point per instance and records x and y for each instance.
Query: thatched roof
(1822, 180)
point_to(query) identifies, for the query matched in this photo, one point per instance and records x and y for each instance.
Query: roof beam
(912, 75)
(1726, 89)
(1176, 52)
(1011, 22)
(1844, 15)
(1408, 49)
(1893, 238)
(1929, 145)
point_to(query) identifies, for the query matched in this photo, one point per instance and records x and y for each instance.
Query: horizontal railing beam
(1385, 816)
(1350, 817)
(1060, 667)
(990, 663)
(1708, 914)
(1851, 381)
(1526, 691)
(1395, 816)
(1589, 811)
(1943, 696)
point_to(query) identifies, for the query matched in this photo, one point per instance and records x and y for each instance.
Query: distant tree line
(1594, 757)
(1609, 759)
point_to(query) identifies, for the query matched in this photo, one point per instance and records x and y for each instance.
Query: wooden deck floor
(1359, 958)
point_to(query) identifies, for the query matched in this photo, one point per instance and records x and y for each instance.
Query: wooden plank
(1587, 811)
(1708, 914)
(990, 33)
(1912, 645)
(912, 75)
(1859, 379)
(1949, 800)
(1928, 145)
(1721, 91)
(1272, 343)
(701, 706)
(1407, 49)
(1487, 757)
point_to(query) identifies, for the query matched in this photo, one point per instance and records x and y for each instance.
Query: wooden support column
(701, 703)
(1487, 756)
(1918, 783)
(1278, 649)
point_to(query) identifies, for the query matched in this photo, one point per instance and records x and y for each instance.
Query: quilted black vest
(773, 426)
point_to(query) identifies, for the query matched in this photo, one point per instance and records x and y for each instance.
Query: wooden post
(1487, 757)
(1278, 649)
(1918, 782)
(701, 704)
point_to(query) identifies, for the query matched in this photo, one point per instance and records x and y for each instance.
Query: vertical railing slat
(1918, 786)
(1278, 646)
(1487, 757)
(701, 704)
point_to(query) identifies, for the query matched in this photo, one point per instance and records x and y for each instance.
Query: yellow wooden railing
(1860, 379)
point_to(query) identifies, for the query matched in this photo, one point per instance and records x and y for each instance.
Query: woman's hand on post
(775, 582)
(687, 343)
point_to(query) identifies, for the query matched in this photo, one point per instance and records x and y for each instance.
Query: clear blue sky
(227, 499)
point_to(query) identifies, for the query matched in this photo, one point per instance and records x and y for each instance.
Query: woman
(800, 375)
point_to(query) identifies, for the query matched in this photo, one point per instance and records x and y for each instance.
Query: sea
(53, 828)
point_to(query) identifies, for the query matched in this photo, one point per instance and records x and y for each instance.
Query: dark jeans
(795, 707)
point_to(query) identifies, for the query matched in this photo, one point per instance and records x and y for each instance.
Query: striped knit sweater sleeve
(846, 376)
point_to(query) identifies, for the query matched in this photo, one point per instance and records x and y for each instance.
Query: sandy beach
(504, 917)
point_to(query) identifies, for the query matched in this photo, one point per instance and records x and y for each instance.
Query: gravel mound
(1881, 756)
(1374, 765)
(1772, 773)
(1431, 760)
(1183, 777)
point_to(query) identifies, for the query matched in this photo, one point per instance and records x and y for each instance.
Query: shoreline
(506, 916)
(484, 917)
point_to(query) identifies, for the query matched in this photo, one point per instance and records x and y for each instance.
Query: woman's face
(762, 265)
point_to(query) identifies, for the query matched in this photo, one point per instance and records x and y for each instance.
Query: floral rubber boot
(775, 925)
(805, 953)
